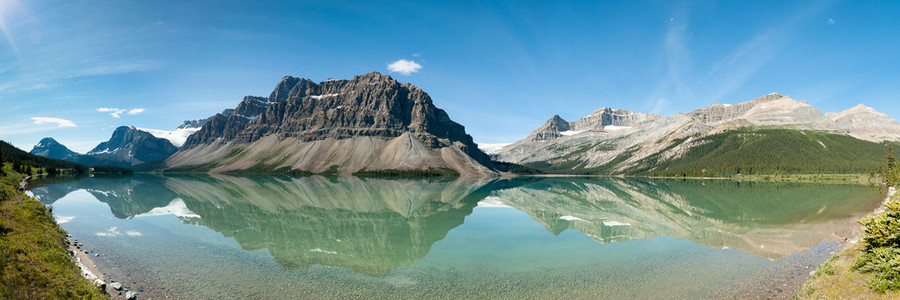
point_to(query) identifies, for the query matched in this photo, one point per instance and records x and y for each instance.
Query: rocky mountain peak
(132, 146)
(48, 142)
(602, 119)
(369, 105)
(609, 117)
(50, 148)
(866, 123)
(551, 130)
(290, 86)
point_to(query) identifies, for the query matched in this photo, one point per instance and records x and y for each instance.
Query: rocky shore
(83, 260)
(89, 270)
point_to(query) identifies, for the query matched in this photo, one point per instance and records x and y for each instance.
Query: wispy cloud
(746, 60)
(678, 56)
(59, 122)
(117, 112)
(113, 67)
(830, 21)
(405, 67)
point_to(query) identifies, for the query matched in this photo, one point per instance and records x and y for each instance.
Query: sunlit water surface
(209, 237)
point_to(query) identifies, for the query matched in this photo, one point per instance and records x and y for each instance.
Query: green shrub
(881, 256)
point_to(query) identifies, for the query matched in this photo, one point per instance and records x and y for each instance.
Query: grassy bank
(33, 259)
(845, 276)
(869, 269)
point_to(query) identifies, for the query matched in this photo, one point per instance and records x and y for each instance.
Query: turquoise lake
(273, 237)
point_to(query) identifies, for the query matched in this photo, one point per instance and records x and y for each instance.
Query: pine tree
(891, 161)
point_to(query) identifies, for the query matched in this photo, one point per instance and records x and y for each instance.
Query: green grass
(33, 259)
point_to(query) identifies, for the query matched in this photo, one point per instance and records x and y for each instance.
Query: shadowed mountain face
(771, 220)
(50, 148)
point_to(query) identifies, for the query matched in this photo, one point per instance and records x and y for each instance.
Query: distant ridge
(127, 147)
(650, 144)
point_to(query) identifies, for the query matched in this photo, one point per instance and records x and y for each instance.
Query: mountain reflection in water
(373, 226)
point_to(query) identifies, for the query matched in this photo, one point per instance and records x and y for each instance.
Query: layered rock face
(772, 110)
(866, 123)
(370, 122)
(550, 130)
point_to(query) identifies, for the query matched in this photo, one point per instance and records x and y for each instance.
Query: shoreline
(84, 262)
(90, 271)
(814, 280)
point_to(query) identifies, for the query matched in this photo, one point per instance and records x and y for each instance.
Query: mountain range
(781, 133)
(127, 147)
(373, 124)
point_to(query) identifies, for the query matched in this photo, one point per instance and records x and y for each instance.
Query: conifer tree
(891, 161)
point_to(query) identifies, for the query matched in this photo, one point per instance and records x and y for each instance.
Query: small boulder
(101, 284)
(130, 295)
(116, 285)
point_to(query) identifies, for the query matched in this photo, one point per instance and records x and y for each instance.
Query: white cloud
(117, 112)
(405, 67)
(417, 54)
(114, 112)
(830, 21)
(59, 122)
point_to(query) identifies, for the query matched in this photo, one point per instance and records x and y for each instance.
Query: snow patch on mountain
(491, 148)
(177, 136)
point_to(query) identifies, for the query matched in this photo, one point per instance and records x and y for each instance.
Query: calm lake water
(214, 237)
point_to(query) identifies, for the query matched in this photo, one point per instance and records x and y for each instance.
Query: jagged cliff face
(371, 122)
(590, 143)
(866, 123)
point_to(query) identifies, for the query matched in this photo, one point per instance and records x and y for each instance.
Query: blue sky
(499, 68)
